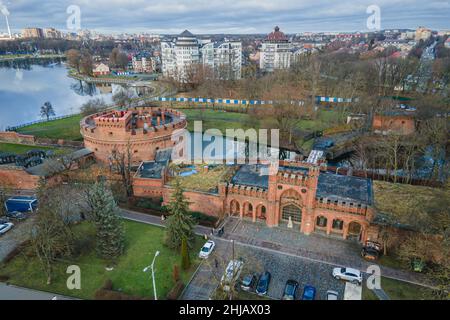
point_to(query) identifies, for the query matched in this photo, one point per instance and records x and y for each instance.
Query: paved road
(155, 220)
(14, 237)
(9, 292)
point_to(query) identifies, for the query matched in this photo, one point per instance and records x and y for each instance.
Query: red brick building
(143, 130)
(398, 123)
(300, 194)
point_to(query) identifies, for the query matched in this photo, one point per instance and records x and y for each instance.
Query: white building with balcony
(276, 52)
(181, 54)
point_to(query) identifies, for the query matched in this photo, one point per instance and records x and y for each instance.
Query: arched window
(321, 221)
(338, 224)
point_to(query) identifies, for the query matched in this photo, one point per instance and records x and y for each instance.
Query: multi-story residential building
(276, 52)
(225, 58)
(422, 33)
(33, 33)
(143, 64)
(447, 43)
(181, 55)
(52, 33)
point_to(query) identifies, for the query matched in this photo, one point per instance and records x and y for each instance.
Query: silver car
(348, 274)
(4, 228)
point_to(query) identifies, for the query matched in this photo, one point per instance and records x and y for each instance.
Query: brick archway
(354, 230)
(235, 208)
(261, 212)
(248, 210)
(291, 210)
(291, 206)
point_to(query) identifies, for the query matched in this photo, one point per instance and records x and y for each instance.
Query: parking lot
(284, 267)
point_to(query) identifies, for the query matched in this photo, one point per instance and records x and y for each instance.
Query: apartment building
(180, 55)
(276, 52)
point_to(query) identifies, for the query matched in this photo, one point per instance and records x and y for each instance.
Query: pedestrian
(216, 263)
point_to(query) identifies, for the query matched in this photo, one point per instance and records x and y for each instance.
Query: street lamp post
(153, 273)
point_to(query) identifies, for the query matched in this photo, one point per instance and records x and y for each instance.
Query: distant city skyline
(214, 16)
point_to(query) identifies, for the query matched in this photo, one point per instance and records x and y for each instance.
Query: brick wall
(14, 137)
(17, 178)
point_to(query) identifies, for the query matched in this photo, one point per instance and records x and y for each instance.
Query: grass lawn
(232, 120)
(399, 290)
(142, 241)
(67, 129)
(24, 148)
(407, 197)
(205, 180)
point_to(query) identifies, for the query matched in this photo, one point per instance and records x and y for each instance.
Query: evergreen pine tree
(185, 260)
(180, 225)
(108, 223)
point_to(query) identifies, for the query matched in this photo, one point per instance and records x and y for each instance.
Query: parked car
(309, 293)
(290, 289)
(232, 273)
(371, 250)
(4, 228)
(348, 274)
(248, 282)
(16, 215)
(4, 220)
(207, 249)
(263, 283)
(332, 295)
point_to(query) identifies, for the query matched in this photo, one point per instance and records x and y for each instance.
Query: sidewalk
(156, 221)
(10, 292)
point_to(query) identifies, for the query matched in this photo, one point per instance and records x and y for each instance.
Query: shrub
(108, 285)
(204, 219)
(176, 291)
(185, 260)
(4, 277)
(176, 273)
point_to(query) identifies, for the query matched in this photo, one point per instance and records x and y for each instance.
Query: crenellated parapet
(351, 207)
(143, 129)
(247, 191)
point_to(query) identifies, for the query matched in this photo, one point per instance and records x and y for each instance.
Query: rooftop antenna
(5, 12)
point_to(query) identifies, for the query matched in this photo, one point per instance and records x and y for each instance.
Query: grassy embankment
(142, 241)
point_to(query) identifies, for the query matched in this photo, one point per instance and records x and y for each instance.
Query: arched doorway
(261, 212)
(293, 211)
(291, 206)
(234, 208)
(248, 210)
(354, 231)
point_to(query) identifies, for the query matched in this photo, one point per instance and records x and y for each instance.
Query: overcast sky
(223, 16)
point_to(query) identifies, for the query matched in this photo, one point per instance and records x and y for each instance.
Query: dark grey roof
(80, 154)
(53, 166)
(186, 34)
(346, 188)
(249, 175)
(163, 155)
(151, 170)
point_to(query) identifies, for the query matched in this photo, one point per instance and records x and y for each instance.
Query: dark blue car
(309, 293)
(290, 289)
(263, 283)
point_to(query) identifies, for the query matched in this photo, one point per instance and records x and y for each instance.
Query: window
(321, 221)
(338, 224)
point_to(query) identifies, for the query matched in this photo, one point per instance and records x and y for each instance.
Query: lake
(26, 86)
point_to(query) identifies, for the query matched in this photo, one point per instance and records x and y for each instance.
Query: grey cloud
(218, 16)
